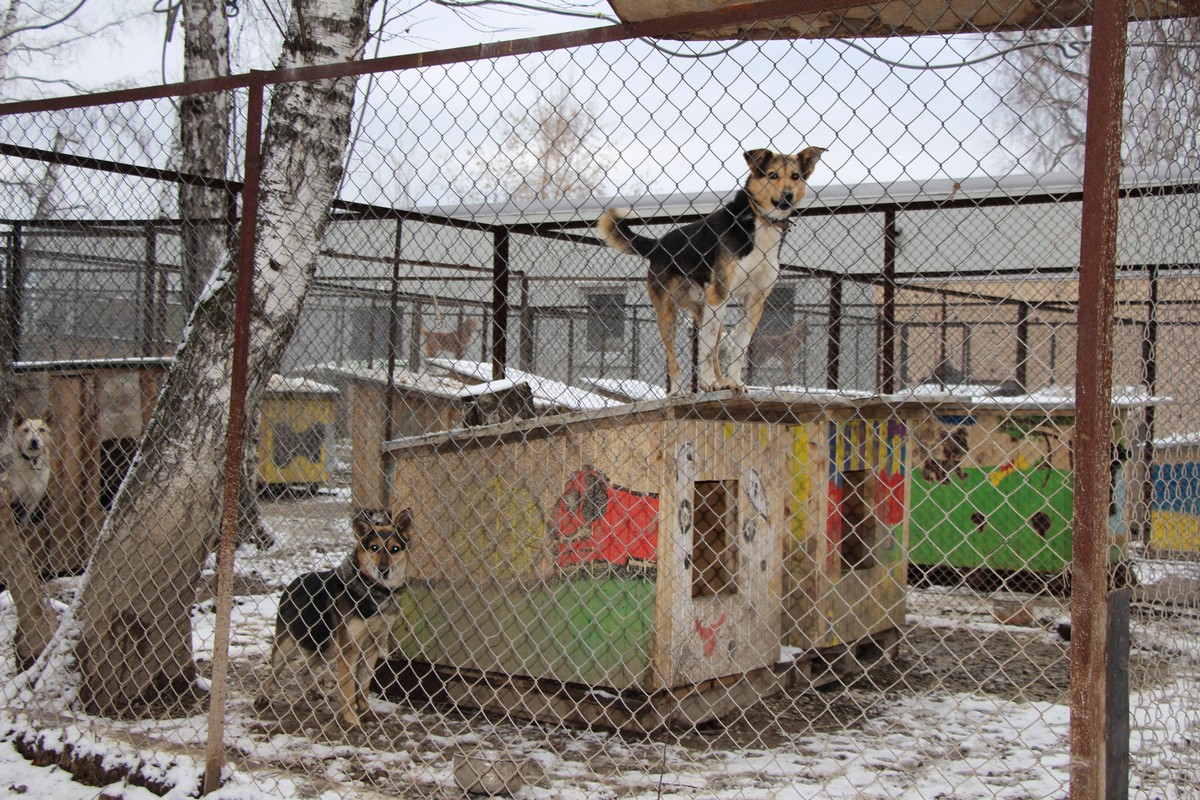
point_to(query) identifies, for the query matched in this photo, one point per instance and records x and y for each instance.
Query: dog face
(30, 438)
(777, 182)
(382, 552)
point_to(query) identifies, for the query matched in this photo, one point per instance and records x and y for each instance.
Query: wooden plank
(893, 18)
(570, 704)
(368, 416)
(64, 542)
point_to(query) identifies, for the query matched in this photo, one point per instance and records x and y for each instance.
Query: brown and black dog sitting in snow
(344, 615)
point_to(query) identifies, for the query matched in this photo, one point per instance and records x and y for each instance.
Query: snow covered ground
(972, 710)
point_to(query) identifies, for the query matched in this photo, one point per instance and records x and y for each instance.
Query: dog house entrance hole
(714, 539)
(858, 519)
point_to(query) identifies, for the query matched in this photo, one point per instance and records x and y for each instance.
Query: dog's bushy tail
(615, 229)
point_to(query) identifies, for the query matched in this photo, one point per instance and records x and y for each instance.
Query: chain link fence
(524, 566)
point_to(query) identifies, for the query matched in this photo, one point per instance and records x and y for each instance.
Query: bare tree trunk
(126, 640)
(36, 617)
(204, 125)
(204, 143)
(6, 28)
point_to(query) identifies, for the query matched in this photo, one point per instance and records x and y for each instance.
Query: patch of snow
(546, 392)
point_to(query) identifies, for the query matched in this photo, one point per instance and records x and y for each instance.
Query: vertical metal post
(833, 354)
(942, 371)
(1022, 375)
(1093, 398)
(1150, 378)
(393, 340)
(500, 277)
(14, 294)
(415, 329)
(214, 756)
(1116, 772)
(887, 329)
(635, 338)
(149, 314)
(694, 349)
(525, 317)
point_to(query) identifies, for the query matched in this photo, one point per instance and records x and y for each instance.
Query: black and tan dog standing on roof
(732, 252)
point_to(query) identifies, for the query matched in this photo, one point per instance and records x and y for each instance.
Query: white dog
(28, 468)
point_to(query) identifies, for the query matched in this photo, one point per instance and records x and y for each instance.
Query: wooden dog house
(993, 483)
(99, 411)
(636, 566)
(295, 443)
(1175, 510)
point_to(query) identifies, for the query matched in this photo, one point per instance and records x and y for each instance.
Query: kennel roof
(574, 213)
(894, 18)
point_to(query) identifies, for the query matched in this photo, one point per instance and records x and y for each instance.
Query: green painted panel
(596, 631)
(1023, 521)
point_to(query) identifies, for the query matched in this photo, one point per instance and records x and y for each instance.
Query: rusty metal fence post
(1093, 397)
(214, 752)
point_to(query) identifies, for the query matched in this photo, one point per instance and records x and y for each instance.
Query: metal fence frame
(1098, 740)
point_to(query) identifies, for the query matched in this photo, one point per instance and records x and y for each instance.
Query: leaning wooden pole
(1093, 397)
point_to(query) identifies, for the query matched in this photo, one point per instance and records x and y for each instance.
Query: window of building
(606, 321)
(779, 312)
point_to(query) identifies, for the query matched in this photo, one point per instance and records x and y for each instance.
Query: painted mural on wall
(596, 521)
(1175, 512)
(865, 456)
(295, 437)
(993, 493)
(499, 531)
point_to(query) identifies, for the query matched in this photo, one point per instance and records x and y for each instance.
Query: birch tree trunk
(36, 617)
(204, 145)
(126, 639)
(204, 124)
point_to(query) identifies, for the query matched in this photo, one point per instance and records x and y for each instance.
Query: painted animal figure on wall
(596, 521)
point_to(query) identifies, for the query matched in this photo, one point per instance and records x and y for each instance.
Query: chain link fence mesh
(851, 579)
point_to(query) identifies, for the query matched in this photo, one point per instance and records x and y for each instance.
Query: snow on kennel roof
(1045, 399)
(546, 392)
(1178, 440)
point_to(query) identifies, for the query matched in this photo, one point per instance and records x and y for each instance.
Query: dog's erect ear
(757, 159)
(369, 520)
(809, 157)
(403, 520)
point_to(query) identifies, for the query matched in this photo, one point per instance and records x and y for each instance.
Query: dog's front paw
(350, 720)
(729, 383)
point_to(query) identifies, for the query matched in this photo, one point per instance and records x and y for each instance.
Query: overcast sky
(671, 123)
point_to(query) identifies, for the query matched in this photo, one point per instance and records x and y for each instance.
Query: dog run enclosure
(899, 565)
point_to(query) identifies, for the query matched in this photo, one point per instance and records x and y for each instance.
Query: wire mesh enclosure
(370, 476)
